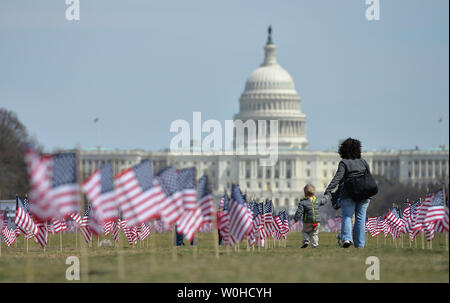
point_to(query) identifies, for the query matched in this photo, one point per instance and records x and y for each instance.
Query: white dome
(270, 94)
(269, 77)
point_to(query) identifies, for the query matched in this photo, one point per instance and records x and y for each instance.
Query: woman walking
(349, 167)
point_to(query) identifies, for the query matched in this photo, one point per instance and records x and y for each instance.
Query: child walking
(308, 211)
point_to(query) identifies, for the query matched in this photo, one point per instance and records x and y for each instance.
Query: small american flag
(24, 221)
(434, 209)
(138, 195)
(253, 235)
(84, 227)
(116, 230)
(53, 184)
(240, 216)
(59, 225)
(191, 219)
(108, 227)
(269, 223)
(144, 231)
(394, 218)
(422, 212)
(42, 235)
(8, 231)
(224, 222)
(205, 199)
(172, 202)
(76, 218)
(130, 232)
(99, 188)
(186, 183)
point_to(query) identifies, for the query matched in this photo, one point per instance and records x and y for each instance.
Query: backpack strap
(365, 165)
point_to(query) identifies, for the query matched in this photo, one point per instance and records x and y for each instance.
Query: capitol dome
(270, 94)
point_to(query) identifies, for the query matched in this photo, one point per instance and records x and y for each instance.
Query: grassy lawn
(156, 260)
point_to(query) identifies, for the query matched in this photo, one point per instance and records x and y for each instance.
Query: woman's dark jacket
(347, 168)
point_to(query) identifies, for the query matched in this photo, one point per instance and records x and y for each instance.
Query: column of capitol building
(270, 93)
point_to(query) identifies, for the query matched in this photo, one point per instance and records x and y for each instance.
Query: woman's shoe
(346, 244)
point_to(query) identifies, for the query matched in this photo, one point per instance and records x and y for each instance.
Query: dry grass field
(156, 260)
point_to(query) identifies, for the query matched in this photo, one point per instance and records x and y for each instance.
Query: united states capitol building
(270, 94)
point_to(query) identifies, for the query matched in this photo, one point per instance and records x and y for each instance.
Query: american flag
(406, 217)
(59, 225)
(284, 227)
(260, 221)
(116, 230)
(278, 223)
(186, 185)
(269, 223)
(8, 231)
(394, 218)
(95, 225)
(225, 222)
(205, 199)
(24, 221)
(108, 227)
(434, 211)
(433, 208)
(422, 212)
(372, 226)
(144, 231)
(191, 219)
(84, 227)
(190, 222)
(53, 184)
(383, 225)
(253, 235)
(138, 196)
(76, 218)
(42, 235)
(240, 216)
(130, 232)
(172, 202)
(413, 226)
(99, 189)
(442, 225)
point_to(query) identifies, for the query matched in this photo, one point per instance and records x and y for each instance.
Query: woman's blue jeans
(350, 207)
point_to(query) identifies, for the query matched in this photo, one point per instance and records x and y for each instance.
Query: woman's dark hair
(350, 149)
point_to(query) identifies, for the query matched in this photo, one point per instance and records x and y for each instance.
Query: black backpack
(361, 186)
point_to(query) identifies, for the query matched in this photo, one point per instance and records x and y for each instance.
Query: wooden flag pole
(60, 240)
(27, 245)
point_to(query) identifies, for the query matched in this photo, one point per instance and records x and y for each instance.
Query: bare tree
(13, 140)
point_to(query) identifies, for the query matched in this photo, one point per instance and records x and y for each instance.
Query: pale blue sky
(139, 65)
